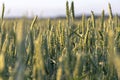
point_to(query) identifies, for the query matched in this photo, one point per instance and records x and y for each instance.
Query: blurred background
(55, 8)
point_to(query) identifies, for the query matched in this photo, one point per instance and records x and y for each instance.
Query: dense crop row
(86, 49)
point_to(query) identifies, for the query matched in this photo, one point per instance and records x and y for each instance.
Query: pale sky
(50, 8)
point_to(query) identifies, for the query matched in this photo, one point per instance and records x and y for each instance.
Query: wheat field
(60, 49)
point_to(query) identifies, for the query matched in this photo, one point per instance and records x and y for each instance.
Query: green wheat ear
(93, 19)
(102, 20)
(3, 10)
(72, 10)
(110, 11)
(67, 10)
